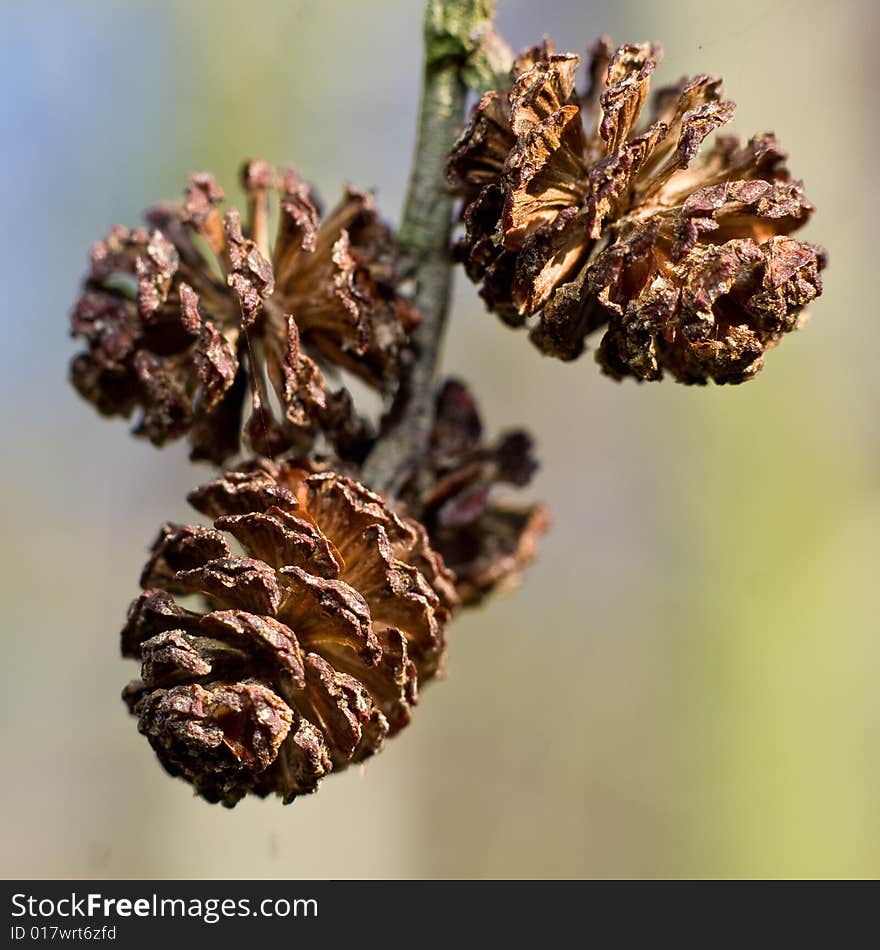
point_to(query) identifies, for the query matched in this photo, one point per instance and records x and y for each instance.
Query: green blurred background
(687, 683)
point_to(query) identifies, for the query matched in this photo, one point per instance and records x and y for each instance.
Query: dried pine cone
(684, 258)
(487, 544)
(311, 648)
(184, 317)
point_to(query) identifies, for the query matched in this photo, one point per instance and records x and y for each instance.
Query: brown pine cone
(486, 543)
(184, 317)
(309, 650)
(580, 216)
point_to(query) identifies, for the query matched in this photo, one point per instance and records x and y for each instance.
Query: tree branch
(461, 50)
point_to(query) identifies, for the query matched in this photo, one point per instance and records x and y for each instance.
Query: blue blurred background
(687, 683)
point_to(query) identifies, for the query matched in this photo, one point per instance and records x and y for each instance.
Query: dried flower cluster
(582, 215)
(311, 648)
(290, 638)
(192, 317)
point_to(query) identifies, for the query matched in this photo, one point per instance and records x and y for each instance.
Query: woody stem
(455, 32)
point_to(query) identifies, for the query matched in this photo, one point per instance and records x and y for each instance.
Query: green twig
(461, 51)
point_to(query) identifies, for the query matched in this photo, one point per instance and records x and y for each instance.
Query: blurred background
(686, 685)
